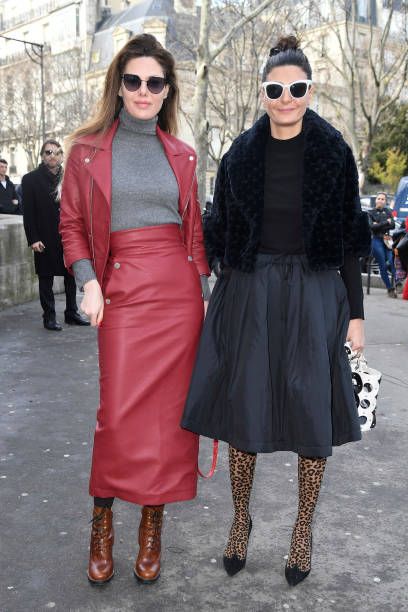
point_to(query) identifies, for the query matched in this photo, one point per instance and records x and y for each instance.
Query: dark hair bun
(285, 43)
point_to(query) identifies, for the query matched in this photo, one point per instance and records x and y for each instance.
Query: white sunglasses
(298, 89)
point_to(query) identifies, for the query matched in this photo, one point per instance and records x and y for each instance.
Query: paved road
(48, 399)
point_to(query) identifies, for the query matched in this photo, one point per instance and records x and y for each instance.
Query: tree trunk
(200, 121)
(205, 58)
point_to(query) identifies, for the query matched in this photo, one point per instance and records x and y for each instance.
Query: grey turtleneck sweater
(144, 189)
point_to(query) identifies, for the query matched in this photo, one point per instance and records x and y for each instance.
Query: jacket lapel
(98, 162)
(246, 163)
(181, 162)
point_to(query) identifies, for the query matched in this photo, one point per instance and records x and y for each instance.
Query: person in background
(9, 203)
(131, 230)
(401, 254)
(381, 222)
(405, 288)
(41, 220)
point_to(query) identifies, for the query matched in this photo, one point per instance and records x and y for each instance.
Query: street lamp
(36, 55)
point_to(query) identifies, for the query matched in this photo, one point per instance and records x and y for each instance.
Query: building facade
(60, 77)
(358, 50)
(359, 53)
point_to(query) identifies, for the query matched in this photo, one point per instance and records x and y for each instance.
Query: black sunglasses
(133, 82)
(49, 152)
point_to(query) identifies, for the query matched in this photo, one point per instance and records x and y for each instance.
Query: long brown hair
(142, 45)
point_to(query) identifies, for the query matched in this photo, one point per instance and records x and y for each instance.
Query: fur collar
(323, 143)
(331, 215)
(324, 164)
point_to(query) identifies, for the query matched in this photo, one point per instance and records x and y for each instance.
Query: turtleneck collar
(139, 126)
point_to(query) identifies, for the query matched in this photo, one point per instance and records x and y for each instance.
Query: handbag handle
(213, 464)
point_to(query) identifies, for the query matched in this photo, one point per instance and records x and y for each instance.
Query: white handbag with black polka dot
(366, 384)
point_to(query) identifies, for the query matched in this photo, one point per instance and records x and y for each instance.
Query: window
(9, 90)
(12, 155)
(395, 4)
(323, 45)
(46, 30)
(365, 11)
(362, 11)
(77, 22)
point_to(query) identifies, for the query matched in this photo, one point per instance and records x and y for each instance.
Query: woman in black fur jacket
(272, 372)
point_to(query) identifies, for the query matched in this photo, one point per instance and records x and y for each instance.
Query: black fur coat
(333, 223)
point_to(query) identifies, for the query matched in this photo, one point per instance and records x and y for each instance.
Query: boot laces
(100, 533)
(152, 530)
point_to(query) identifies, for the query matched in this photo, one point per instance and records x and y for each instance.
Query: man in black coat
(41, 221)
(8, 197)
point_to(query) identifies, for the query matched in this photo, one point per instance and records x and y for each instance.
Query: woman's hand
(38, 247)
(355, 335)
(92, 303)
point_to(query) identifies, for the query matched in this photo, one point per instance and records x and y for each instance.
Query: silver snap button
(107, 301)
(87, 160)
(189, 258)
(191, 158)
(116, 265)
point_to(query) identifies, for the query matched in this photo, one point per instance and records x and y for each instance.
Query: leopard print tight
(242, 468)
(310, 474)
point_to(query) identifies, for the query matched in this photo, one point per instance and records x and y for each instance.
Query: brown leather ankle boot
(147, 566)
(100, 567)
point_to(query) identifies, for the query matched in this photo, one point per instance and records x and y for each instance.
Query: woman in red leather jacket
(132, 235)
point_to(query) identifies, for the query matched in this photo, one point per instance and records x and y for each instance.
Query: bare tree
(72, 102)
(367, 67)
(21, 109)
(234, 86)
(67, 103)
(207, 52)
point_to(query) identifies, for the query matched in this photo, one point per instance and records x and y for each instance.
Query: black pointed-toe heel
(294, 575)
(234, 564)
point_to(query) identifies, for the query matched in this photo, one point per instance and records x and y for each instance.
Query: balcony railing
(35, 13)
(12, 59)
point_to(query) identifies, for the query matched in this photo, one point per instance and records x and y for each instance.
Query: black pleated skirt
(272, 372)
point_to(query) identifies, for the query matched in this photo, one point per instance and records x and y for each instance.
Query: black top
(282, 230)
(381, 221)
(282, 216)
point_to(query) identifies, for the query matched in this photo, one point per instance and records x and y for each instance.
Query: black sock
(103, 502)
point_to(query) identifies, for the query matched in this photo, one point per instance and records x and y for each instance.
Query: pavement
(49, 394)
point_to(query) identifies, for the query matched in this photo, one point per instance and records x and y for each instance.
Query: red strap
(214, 462)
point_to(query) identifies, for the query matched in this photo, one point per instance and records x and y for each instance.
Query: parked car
(401, 200)
(367, 202)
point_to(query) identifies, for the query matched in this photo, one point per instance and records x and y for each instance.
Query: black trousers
(47, 299)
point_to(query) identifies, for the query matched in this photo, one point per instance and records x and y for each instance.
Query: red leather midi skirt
(147, 345)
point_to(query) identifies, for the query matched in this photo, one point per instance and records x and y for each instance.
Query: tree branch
(237, 26)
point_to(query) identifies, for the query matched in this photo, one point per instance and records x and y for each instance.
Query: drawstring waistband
(287, 261)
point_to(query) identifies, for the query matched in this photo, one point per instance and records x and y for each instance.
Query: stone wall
(18, 281)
